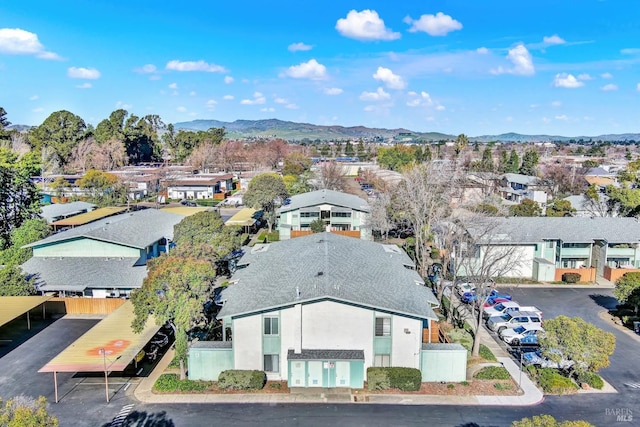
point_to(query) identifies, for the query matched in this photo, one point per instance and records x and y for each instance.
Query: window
(550, 244)
(383, 326)
(341, 214)
(309, 214)
(271, 326)
(271, 362)
(382, 360)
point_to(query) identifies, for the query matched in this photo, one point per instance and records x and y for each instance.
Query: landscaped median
(233, 381)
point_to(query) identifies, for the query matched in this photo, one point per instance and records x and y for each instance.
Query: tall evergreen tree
(486, 164)
(513, 164)
(529, 162)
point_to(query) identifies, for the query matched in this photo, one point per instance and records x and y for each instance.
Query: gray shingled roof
(138, 229)
(65, 273)
(331, 197)
(327, 266)
(567, 229)
(520, 179)
(56, 210)
(326, 355)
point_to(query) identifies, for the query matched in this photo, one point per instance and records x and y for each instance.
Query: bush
(571, 277)
(405, 379)
(492, 373)
(171, 383)
(486, 353)
(235, 379)
(591, 378)
(552, 382)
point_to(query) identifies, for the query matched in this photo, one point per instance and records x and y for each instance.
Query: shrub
(171, 383)
(591, 378)
(502, 387)
(571, 277)
(405, 379)
(492, 373)
(486, 353)
(552, 382)
(235, 379)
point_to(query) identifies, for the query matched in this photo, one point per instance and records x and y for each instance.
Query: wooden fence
(84, 305)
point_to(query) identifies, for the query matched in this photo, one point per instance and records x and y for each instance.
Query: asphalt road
(83, 401)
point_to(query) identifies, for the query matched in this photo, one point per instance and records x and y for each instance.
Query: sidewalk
(531, 395)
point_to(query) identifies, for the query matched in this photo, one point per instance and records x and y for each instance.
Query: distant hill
(274, 128)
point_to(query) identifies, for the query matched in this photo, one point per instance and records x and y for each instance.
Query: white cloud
(567, 81)
(173, 86)
(482, 50)
(123, 105)
(83, 73)
(307, 70)
(434, 25)
(211, 103)
(630, 51)
(584, 76)
(228, 97)
(155, 77)
(378, 95)
(332, 91)
(638, 87)
(228, 79)
(562, 117)
(392, 81)
(554, 39)
(146, 69)
(86, 85)
(420, 100)
(556, 104)
(365, 25)
(268, 109)
(177, 65)
(38, 110)
(291, 106)
(278, 100)
(33, 98)
(299, 47)
(192, 93)
(181, 109)
(609, 87)
(15, 41)
(522, 62)
(258, 98)
(440, 108)
(606, 75)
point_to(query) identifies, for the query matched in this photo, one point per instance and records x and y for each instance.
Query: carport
(245, 218)
(13, 307)
(107, 347)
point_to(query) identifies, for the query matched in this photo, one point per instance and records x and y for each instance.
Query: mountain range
(274, 128)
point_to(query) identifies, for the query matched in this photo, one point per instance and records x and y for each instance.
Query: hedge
(571, 277)
(171, 383)
(492, 373)
(592, 379)
(405, 379)
(234, 379)
(553, 382)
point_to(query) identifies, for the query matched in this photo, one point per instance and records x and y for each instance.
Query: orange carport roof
(88, 217)
(114, 335)
(12, 307)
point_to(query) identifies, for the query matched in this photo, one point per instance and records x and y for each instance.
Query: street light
(106, 372)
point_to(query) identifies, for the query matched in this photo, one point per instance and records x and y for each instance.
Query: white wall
(247, 342)
(405, 350)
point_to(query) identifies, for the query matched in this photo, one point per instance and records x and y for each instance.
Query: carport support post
(28, 321)
(106, 373)
(55, 385)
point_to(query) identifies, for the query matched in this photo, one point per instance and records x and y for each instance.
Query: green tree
(297, 184)
(317, 226)
(486, 164)
(627, 290)
(503, 162)
(575, 339)
(4, 123)
(590, 163)
(560, 207)
(529, 162)
(59, 185)
(528, 207)
(24, 411)
(513, 164)
(59, 134)
(361, 152)
(111, 128)
(204, 236)
(548, 421)
(104, 188)
(13, 282)
(349, 150)
(266, 191)
(19, 197)
(396, 158)
(296, 163)
(29, 231)
(460, 144)
(174, 291)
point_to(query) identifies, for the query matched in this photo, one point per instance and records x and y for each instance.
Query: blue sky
(569, 67)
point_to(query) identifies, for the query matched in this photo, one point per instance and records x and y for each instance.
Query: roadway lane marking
(119, 419)
(633, 385)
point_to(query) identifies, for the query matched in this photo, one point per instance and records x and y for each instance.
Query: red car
(493, 301)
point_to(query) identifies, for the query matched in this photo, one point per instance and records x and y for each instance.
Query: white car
(512, 320)
(522, 334)
(463, 287)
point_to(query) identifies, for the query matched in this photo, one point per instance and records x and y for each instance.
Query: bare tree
(486, 252)
(19, 143)
(379, 217)
(331, 176)
(203, 156)
(422, 198)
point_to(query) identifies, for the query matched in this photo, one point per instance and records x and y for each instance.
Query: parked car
(535, 358)
(462, 287)
(508, 307)
(493, 301)
(513, 319)
(469, 297)
(522, 334)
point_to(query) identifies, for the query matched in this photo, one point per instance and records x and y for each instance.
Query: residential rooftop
(320, 197)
